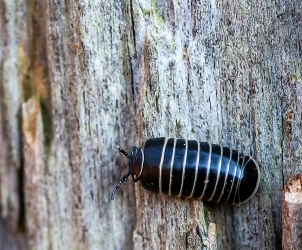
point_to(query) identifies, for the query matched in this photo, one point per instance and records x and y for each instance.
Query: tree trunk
(292, 214)
(75, 77)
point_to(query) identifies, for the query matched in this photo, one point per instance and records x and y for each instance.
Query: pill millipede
(192, 169)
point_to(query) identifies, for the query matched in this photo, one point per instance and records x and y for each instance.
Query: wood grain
(226, 72)
(292, 214)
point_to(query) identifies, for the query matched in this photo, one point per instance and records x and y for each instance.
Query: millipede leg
(121, 150)
(118, 185)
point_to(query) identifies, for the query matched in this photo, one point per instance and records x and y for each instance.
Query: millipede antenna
(121, 150)
(118, 185)
(126, 175)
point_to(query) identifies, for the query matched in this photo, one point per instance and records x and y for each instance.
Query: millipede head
(136, 160)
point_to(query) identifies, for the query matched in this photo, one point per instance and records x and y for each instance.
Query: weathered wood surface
(292, 214)
(34, 172)
(226, 72)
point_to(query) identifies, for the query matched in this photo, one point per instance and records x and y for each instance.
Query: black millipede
(192, 169)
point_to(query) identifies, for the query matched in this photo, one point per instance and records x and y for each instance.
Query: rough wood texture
(34, 160)
(14, 62)
(11, 43)
(226, 72)
(292, 214)
(222, 72)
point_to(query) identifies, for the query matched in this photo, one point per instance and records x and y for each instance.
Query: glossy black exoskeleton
(192, 169)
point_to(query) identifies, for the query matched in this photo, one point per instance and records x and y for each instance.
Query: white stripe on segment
(196, 170)
(183, 169)
(161, 165)
(239, 179)
(233, 181)
(172, 162)
(258, 179)
(218, 174)
(226, 176)
(208, 171)
(142, 165)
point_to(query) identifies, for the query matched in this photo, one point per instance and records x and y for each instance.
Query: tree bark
(292, 214)
(88, 73)
(34, 159)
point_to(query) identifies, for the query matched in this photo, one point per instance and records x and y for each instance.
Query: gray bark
(74, 77)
